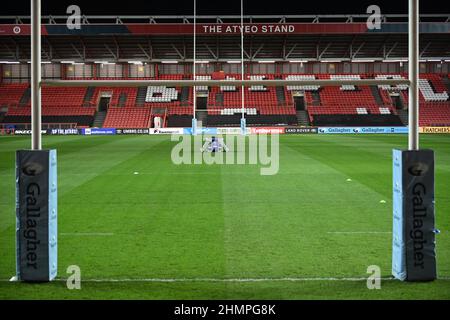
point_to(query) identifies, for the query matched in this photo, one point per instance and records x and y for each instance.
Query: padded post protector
(413, 246)
(36, 215)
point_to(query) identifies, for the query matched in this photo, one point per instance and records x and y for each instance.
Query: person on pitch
(214, 144)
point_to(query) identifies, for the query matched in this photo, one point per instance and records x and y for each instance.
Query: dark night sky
(178, 7)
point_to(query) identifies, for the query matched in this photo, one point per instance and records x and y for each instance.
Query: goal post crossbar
(216, 83)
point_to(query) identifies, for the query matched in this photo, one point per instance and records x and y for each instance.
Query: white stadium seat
(361, 110)
(231, 111)
(424, 86)
(429, 94)
(202, 88)
(228, 88)
(389, 87)
(385, 111)
(304, 88)
(257, 88)
(161, 94)
(346, 77)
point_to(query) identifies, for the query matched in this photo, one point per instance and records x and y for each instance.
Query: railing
(187, 19)
(214, 83)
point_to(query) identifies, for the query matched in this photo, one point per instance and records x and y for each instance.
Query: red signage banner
(267, 130)
(220, 29)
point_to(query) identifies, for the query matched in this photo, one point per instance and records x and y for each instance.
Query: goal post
(413, 241)
(414, 170)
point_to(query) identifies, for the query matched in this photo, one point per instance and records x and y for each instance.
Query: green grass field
(198, 224)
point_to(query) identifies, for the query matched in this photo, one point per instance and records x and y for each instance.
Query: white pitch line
(359, 232)
(86, 234)
(230, 279)
(169, 280)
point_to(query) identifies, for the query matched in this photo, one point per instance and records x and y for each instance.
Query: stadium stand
(10, 94)
(120, 97)
(264, 105)
(69, 96)
(81, 116)
(345, 104)
(127, 118)
(433, 97)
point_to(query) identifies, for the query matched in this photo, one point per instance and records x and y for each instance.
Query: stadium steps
(184, 97)
(141, 95)
(403, 115)
(201, 118)
(122, 99)
(299, 103)
(88, 96)
(402, 102)
(219, 98)
(281, 97)
(316, 98)
(26, 97)
(446, 81)
(159, 110)
(398, 103)
(99, 119)
(376, 95)
(303, 118)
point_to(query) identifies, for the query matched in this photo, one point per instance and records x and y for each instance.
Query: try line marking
(221, 279)
(237, 280)
(229, 280)
(86, 234)
(359, 232)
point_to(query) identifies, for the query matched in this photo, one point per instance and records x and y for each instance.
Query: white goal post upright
(36, 198)
(36, 123)
(413, 230)
(243, 121)
(194, 72)
(413, 65)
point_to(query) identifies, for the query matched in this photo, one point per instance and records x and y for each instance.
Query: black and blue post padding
(194, 126)
(413, 246)
(36, 215)
(243, 125)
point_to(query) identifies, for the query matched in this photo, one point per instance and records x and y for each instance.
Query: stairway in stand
(122, 99)
(376, 95)
(316, 98)
(99, 119)
(303, 118)
(281, 97)
(201, 118)
(184, 96)
(88, 96)
(219, 98)
(26, 97)
(403, 115)
(140, 97)
(446, 81)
